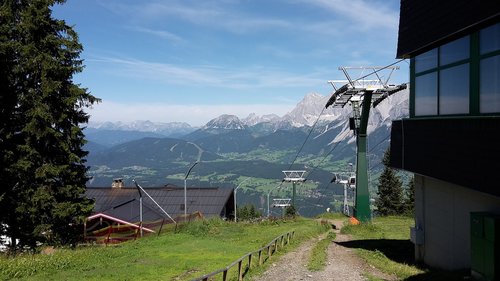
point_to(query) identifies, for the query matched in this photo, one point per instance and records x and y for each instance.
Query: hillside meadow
(194, 250)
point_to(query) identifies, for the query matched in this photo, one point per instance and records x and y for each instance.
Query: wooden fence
(245, 262)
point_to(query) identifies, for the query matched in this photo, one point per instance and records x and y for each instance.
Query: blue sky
(192, 61)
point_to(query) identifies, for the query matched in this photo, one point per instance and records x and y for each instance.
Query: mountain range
(230, 148)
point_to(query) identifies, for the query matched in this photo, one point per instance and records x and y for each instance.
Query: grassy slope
(198, 249)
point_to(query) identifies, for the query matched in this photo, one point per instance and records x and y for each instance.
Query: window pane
(489, 39)
(454, 51)
(426, 94)
(489, 87)
(426, 61)
(454, 90)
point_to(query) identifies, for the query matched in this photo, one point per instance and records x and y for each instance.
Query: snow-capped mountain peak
(226, 122)
(253, 119)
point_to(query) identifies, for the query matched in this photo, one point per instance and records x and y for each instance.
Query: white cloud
(160, 33)
(202, 13)
(363, 15)
(209, 75)
(195, 115)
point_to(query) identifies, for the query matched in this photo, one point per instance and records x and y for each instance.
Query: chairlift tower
(348, 181)
(361, 94)
(294, 176)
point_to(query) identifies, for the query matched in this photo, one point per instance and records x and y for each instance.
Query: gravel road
(343, 263)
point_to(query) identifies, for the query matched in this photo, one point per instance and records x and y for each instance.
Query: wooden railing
(269, 249)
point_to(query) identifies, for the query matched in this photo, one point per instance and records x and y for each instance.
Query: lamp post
(185, 188)
(235, 196)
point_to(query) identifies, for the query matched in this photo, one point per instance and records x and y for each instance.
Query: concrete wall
(442, 211)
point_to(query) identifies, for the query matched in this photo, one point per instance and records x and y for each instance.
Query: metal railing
(270, 248)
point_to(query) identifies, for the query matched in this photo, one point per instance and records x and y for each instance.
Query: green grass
(318, 258)
(197, 249)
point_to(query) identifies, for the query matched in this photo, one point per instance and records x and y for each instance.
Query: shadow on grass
(402, 251)
(434, 275)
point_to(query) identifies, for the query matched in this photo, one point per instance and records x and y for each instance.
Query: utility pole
(361, 94)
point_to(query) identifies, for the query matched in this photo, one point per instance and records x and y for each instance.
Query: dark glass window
(454, 90)
(426, 94)
(489, 85)
(489, 39)
(454, 51)
(426, 61)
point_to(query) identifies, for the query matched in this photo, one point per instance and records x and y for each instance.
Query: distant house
(123, 202)
(451, 141)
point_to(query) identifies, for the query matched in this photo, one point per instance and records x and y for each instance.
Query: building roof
(123, 203)
(424, 24)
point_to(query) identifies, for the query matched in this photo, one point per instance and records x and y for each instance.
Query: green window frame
(474, 63)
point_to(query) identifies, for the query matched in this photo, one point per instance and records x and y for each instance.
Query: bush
(290, 212)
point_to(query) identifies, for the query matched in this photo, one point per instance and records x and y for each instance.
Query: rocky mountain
(253, 119)
(259, 147)
(108, 138)
(171, 129)
(225, 122)
(308, 109)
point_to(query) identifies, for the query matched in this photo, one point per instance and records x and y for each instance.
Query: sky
(193, 60)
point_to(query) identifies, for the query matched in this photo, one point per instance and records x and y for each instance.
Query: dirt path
(342, 264)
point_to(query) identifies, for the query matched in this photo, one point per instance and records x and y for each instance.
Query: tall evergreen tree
(409, 200)
(390, 190)
(42, 162)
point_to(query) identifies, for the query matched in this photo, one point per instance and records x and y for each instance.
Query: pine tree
(43, 168)
(410, 197)
(390, 191)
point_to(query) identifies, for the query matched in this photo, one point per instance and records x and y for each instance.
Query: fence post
(161, 227)
(269, 251)
(288, 238)
(109, 233)
(224, 275)
(85, 231)
(249, 261)
(276, 245)
(240, 271)
(260, 257)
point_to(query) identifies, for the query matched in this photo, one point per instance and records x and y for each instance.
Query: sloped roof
(424, 24)
(123, 202)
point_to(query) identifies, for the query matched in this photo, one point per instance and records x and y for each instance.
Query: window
(454, 51)
(461, 77)
(426, 61)
(442, 79)
(489, 69)
(426, 99)
(489, 39)
(454, 90)
(489, 85)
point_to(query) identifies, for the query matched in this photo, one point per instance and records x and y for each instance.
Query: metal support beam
(362, 92)
(362, 211)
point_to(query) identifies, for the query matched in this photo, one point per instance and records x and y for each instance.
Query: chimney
(117, 183)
